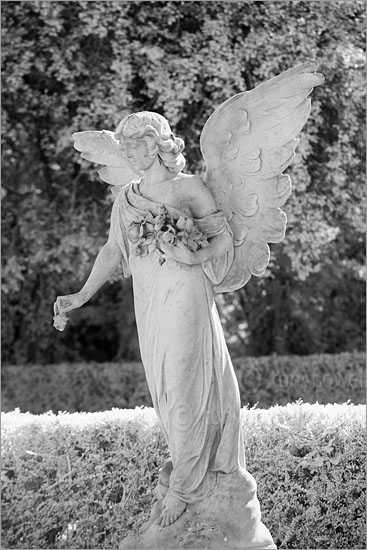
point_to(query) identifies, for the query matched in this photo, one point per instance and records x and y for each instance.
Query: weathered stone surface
(183, 240)
(229, 518)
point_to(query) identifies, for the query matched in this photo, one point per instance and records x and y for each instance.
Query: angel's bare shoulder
(194, 191)
(190, 184)
(187, 179)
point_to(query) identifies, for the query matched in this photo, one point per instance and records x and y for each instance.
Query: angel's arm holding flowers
(105, 264)
(201, 204)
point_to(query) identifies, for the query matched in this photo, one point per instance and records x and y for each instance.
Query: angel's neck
(156, 173)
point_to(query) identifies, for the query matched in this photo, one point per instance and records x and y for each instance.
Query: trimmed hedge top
(264, 380)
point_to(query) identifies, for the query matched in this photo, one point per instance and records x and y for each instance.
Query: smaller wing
(101, 147)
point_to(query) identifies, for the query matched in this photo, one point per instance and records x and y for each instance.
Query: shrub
(321, 378)
(74, 387)
(84, 480)
(264, 380)
(77, 480)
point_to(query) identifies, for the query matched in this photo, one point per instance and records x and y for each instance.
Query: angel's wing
(101, 147)
(247, 143)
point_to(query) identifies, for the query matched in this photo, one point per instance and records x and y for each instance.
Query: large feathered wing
(101, 147)
(247, 143)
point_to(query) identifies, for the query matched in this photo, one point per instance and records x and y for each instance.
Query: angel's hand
(67, 303)
(178, 252)
(62, 305)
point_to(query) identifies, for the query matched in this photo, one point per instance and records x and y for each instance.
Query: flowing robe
(188, 369)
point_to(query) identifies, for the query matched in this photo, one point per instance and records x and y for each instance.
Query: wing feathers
(277, 159)
(273, 223)
(116, 176)
(247, 143)
(101, 147)
(102, 157)
(91, 140)
(258, 255)
(276, 191)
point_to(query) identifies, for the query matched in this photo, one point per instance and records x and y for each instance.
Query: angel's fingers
(63, 304)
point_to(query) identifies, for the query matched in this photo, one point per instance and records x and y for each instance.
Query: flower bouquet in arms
(151, 231)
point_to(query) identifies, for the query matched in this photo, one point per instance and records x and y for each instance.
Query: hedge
(84, 480)
(264, 380)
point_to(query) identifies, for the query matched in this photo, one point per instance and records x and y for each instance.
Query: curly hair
(157, 134)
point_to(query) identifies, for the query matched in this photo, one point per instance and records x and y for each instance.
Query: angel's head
(154, 131)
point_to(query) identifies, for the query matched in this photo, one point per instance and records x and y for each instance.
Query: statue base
(228, 519)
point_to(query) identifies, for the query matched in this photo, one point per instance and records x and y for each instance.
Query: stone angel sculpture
(183, 239)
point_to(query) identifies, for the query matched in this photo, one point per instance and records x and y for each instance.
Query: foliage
(283, 315)
(311, 491)
(265, 381)
(78, 481)
(84, 480)
(71, 66)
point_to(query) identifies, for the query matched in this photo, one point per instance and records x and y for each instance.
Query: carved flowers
(148, 233)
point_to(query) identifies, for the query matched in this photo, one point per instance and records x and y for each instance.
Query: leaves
(76, 66)
(98, 473)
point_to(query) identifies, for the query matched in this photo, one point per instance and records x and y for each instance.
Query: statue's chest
(169, 194)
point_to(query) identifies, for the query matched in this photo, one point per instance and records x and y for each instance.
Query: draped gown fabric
(188, 369)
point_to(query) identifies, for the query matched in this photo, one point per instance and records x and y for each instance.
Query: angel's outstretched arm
(105, 264)
(107, 261)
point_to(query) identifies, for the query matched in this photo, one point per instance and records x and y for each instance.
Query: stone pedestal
(229, 518)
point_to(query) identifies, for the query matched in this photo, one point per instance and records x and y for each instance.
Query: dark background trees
(71, 66)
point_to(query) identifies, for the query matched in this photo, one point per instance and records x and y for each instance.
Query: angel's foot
(172, 509)
(163, 481)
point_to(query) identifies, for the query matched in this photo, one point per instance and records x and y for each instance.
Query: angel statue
(184, 239)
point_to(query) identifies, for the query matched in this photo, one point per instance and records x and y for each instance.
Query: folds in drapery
(217, 269)
(118, 230)
(188, 369)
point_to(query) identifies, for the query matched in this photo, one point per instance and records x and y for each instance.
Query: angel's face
(136, 151)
